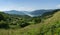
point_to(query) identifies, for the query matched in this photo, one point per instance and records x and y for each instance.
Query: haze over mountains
(32, 14)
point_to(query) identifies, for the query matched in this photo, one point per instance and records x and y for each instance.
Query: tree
(24, 24)
(4, 25)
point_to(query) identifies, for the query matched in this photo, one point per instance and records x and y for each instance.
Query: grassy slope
(50, 26)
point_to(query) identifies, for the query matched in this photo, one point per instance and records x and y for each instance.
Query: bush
(24, 24)
(1, 17)
(4, 25)
(36, 20)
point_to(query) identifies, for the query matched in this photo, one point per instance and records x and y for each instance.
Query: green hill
(50, 26)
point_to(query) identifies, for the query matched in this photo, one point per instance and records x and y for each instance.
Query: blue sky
(28, 5)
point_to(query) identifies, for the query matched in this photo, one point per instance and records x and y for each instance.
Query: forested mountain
(32, 13)
(15, 12)
(39, 12)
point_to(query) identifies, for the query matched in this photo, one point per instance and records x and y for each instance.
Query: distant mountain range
(15, 12)
(39, 12)
(32, 14)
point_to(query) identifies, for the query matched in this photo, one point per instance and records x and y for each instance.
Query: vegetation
(25, 25)
(16, 21)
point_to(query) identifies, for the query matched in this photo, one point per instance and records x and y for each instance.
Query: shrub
(1, 17)
(24, 24)
(4, 25)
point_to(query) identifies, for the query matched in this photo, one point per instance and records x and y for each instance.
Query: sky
(28, 5)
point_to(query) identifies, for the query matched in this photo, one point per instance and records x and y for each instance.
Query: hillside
(50, 26)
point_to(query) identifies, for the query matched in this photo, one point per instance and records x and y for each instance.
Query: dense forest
(46, 24)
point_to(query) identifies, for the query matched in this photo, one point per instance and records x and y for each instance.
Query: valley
(46, 24)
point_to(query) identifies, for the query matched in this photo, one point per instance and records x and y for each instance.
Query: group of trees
(3, 20)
